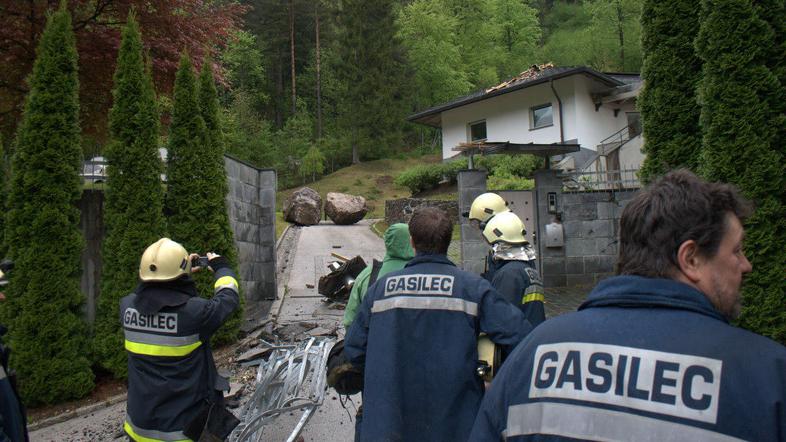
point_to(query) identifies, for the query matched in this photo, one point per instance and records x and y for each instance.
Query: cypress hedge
(134, 196)
(196, 182)
(741, 118)
(43, 310)
(215, 233)
(671, 72)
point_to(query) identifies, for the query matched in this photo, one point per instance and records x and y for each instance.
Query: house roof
(534, 76)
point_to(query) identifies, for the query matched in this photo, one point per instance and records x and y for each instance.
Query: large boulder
(345, 209)
(303, 207)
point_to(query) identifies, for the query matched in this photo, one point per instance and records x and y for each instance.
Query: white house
(550, 105)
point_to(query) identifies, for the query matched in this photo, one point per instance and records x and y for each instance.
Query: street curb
(283, 234)
(79, 412)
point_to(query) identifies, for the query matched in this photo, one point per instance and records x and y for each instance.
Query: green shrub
(44, 306)
(508, 182)
(420, 178)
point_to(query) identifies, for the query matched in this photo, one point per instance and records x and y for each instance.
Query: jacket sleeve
(357, 335)
(502, 321)
(509, 285)
(356, 296)
(489, 423)
(224, 301)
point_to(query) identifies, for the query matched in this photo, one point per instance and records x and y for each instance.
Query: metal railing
(625, 179)
(620, 137)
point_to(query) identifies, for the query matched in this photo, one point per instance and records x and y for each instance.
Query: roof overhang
(433, 116)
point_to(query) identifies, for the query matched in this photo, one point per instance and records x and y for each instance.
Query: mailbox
(555, 236)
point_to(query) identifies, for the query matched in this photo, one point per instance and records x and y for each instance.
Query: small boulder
(303, 207)
(345, 209)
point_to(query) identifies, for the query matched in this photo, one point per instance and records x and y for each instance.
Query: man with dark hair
(650, 354)
(416, 334)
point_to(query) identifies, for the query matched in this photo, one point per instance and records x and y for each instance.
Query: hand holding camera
(199, 262)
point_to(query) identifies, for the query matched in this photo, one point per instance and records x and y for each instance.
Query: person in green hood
(398, 251)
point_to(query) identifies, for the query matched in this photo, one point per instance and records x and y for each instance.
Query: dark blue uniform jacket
(12, 415)
(643, 359)
(416, 332)
(519, 283)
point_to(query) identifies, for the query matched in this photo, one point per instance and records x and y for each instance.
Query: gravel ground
(103, 425)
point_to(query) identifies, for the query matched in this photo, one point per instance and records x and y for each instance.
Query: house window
(542, 116)
(477, 131)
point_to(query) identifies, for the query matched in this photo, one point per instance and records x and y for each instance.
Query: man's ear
(690, 261)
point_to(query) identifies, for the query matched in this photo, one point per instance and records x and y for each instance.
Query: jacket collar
(640, 292)
(421, 258)
(153, 296)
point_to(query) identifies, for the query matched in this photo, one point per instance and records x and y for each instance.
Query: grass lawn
(372, 180)
(280, 224)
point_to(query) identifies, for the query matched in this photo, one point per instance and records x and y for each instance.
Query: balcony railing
(626, 179)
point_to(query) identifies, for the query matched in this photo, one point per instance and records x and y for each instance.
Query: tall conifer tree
(372, 108)
(671, 72)
(741, 118)
(133, 208)
(43, 310)
(215, 233)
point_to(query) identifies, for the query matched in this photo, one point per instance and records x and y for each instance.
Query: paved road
(332, 422)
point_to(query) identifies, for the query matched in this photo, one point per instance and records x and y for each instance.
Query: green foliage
(603, 34)
(134, 197)
(671, 73)
(741, 117)
(313, 163)
(371, 110)
(44, 302)
(506, 172)
(247, 134)
(214, 233)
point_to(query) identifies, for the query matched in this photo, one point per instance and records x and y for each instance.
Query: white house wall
(631, 156)
(508, 117)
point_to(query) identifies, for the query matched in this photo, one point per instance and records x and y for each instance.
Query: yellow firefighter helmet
(505, 227)
(487, 205)
(164, 260)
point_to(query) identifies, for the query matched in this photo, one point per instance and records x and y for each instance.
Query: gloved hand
(344, 377)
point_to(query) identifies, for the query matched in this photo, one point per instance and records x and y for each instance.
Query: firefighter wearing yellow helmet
(173, 384)
(516, 277)
(484, 208)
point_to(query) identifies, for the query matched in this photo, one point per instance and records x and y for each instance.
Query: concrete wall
(508, 116)
(631, 155)
(400, 210)
(251, 203)
(474, 249)
(590, 222)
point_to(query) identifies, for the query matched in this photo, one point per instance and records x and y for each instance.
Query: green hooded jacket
(398, 251)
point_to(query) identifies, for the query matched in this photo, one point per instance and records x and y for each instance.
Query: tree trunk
(621, 35)
(355, 152)
(279, 100)
(319, 79)
(292, 51)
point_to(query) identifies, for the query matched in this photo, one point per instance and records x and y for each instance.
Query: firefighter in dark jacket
(483, 209)
(416, 333)
(171, 373)
(650, 355)
(13, 426)
(515, 277)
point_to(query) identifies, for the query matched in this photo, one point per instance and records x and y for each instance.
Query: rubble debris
(235, 390)
(291, 380)
(530, 74)
(344, 209)
(253, 354)
(303, 207)
(309, 286)
(337, 284)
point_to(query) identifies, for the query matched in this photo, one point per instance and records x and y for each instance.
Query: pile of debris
(530, 74)
(337, 284)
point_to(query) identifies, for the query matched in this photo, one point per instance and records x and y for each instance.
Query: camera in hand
(200, 261)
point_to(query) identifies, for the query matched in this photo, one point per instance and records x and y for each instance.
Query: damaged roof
(537, 74)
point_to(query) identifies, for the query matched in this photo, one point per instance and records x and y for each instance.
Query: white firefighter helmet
(164, 260)
(505, 227)
(487, 205)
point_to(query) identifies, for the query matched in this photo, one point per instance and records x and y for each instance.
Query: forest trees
(169, 26)
(134, 197)
(44, 302)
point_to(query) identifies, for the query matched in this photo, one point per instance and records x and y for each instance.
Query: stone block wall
(474, 248)
(251, 204)
(400, 210)
(590, 222)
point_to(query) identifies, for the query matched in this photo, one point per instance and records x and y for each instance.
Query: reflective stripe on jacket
(171, 372)
(519, 283)
(416, 332)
